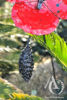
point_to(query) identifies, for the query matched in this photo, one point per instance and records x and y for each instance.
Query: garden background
(12, 42)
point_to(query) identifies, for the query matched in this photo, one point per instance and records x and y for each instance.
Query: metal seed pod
(26, 63)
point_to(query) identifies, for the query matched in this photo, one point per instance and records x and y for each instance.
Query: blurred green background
(12, 42)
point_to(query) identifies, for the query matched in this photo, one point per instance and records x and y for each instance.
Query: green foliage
(9, 29)
(5, 28)
(55, 45)
(9, 52)
(20, 96)
(10, 57)
(8, 42)
(5, 90)
(5, 68)
(8, 61)
(10, 92)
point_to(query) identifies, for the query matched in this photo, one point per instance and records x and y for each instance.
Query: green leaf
(55, 45)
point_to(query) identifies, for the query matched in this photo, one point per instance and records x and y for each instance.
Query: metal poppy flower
(27, 17)
(38, 21)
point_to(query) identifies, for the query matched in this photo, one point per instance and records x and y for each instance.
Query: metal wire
(52, 11)
(54, 74)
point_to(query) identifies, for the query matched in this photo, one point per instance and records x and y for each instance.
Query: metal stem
(51, 61)
(28, 40)
(53, 68)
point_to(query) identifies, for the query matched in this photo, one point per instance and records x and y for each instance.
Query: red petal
(12, 1)
(59, 7)
(34, 21)
(65, 1)
(60, 11)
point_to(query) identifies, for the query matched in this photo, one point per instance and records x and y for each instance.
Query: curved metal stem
(54, 74)
(28, 41)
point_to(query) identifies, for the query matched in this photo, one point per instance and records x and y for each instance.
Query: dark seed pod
(26, 63)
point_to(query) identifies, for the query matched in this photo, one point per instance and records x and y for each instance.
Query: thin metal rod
(28, 40)
(53, 68)
(44, 38)
(52, 11)
(54, 74)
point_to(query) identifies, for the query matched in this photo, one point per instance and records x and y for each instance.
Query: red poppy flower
(27, 17)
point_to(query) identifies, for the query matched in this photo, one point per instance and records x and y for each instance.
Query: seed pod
(26, 63)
